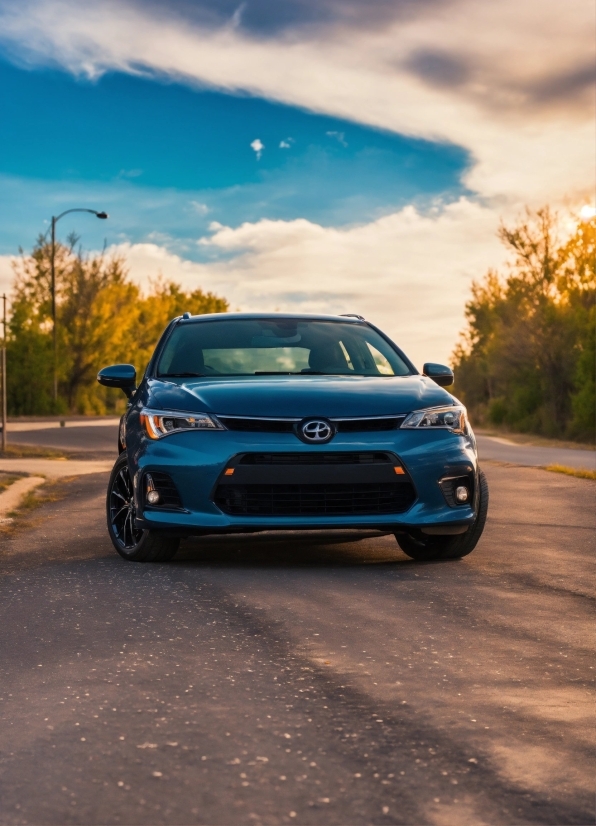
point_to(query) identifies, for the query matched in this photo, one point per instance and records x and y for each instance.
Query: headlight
(159, 423)
(450, 418)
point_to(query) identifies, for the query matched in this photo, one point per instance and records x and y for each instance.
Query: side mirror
(123, 376)
(442, 375)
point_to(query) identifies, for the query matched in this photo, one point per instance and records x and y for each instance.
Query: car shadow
(292, 549)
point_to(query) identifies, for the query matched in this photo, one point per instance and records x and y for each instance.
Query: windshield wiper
(180, 375)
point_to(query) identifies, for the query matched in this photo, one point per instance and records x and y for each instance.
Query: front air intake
(450, 484)
(161, 492)
(315, 500)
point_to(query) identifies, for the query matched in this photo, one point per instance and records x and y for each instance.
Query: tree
(578, 289)
(526, 359)
(102, 318)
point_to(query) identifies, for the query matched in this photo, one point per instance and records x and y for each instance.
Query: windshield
(261, 347)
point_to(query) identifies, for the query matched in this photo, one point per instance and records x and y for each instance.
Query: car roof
(193, 319)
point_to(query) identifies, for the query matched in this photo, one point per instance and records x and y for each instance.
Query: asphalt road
(96, 439)
(100, 440)
(272, 680)
(503, 450)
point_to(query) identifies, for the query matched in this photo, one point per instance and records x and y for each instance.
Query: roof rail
(353, 315)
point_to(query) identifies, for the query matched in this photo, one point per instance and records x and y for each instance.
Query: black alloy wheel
(133, 544)
(425, 548)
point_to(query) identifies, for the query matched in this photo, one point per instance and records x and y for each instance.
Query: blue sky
(168, 159)
(393, 138)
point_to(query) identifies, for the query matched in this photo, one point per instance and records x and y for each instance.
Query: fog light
(462, 493)
(151, 494)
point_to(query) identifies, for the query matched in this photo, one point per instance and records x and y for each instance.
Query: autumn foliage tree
(527, 357)
(103, 318)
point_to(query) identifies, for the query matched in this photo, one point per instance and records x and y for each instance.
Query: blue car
(261, 422)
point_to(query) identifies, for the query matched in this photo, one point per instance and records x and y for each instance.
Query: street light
(55, 220)
(4, 387)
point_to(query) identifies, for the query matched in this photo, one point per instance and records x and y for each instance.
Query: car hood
(298, 396)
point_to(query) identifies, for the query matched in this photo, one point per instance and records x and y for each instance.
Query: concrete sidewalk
(56, 468)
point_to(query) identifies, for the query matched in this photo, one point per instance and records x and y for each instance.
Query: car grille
(316, 458)
(368, 425)
(258, 425)
(315, 500)
(263, 425)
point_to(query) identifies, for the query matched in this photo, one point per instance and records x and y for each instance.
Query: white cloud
(202, 209)
(408, 273)
(6, 275)
(286, 144)
(258, 147)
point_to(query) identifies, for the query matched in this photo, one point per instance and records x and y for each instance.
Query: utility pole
(4, 386)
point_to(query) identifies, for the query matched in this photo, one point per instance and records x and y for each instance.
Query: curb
(12, 497)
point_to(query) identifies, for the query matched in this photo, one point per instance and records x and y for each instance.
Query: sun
(587, 212)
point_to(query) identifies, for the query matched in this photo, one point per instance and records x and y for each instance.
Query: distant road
(95, 435)
(502, 450)
(101, 435)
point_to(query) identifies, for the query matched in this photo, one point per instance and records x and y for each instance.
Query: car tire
(131, 543)
(424, 548)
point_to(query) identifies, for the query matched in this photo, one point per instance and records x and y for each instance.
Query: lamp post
(4, 388)
(55, 220)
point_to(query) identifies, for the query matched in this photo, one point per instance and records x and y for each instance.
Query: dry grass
(571, 471)
(31, 452)
(6, 481)
(20, 517)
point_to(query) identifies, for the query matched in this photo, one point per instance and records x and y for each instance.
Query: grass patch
(48, 492)
(6, 481)
(571, 471)
(31, 452)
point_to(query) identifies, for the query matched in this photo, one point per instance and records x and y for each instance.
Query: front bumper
(195, 462)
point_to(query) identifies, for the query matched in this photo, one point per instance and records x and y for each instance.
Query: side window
(381, 363)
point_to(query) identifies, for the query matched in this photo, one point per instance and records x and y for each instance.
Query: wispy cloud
(200, 208)
(340, 137)
(237, 16)
(286, 143)
(130, 173)
(258, 147)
